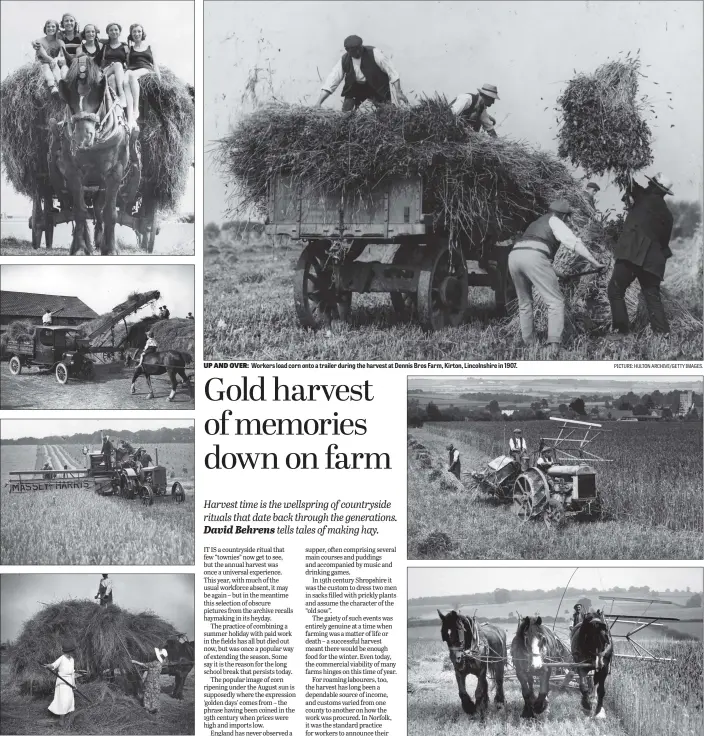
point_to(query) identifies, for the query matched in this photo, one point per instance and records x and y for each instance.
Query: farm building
(21, 305)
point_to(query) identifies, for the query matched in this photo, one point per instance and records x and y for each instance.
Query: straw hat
(68, 645)
(593, 185)
(661, 181)
(489, 90)
(161, 654)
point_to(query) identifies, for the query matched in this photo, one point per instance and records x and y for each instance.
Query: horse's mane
(592, 633)
(453, 618)
(93, 73)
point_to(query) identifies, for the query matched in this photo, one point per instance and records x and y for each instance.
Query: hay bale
(175, 334)
(106, 638)
(486, 188)
(602, 127)
(166, 133)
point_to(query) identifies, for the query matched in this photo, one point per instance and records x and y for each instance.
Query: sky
(606, 384)
(11, 429)
(528, 49)
(429, 581)
(169, 595)
(169, 25)
(103, 287)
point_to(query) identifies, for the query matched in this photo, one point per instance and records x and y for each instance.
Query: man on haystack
(530, 264)
(105, 591)
(641, 253)
(472, 109)
(367, 75)
(591, 189)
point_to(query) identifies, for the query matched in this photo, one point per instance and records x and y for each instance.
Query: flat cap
(352, 41)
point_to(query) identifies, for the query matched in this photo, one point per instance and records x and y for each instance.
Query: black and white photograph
(97, 492)
(560, 468)
(614, 651)
(382, 187)
(97, 337)
(97, 653)
(97, 128)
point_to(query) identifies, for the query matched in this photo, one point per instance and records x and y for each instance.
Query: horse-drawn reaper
(76, 148)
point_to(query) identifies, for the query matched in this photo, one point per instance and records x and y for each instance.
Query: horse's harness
(465, 653)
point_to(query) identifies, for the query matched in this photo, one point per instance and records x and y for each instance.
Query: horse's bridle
(463, 651)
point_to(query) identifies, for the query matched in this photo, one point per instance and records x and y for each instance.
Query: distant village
(649, 407)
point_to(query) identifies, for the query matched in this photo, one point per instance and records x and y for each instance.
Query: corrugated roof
(24, 304)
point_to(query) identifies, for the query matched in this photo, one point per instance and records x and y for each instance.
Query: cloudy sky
(170, 596)
(428, 581)
(103, 287)
(13, 428)
(528, 49)
(617, 385)
(169, 25)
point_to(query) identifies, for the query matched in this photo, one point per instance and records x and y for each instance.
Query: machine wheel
(554, 514)
(317, 299)
(127, 489)
(15, 365)
(177, 492)
(442, 288)
(61, 372)
(404, 302)
(36, 221)
(147, 495)
(530, 494)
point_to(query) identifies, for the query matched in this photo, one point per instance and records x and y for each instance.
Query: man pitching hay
(472, 108)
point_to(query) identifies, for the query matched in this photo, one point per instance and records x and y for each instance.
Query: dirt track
(36, 390)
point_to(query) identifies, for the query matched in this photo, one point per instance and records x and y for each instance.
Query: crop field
(78, 527)
(249, 313)
(651, 494)
(642, 698)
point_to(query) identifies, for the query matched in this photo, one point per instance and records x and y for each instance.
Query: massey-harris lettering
(50, 485)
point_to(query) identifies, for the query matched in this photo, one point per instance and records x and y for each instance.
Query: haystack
(486, 188)
(106, 639)
(175, 334)
(602, 126)
(166, 133)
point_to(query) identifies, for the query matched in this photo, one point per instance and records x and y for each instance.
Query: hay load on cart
(448, 199)
(166, 123)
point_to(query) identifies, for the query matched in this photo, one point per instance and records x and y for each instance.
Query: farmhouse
(21, 305)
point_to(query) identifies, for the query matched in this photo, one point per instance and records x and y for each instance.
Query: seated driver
(517, 445)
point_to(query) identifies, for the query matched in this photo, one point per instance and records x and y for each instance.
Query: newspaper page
(383, 413)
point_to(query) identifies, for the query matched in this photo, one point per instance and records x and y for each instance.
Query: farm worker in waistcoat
(517, 445)
(106, 449)
(642, 252)
(530, 264)
(591, 189)
(63, 702)
(472, 108)
(367, 75)
(578, 615)
(453, 460)
(105, 591)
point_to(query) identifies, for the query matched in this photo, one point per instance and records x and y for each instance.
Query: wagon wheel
(15, 365)
(318, 300)
(554, 514)
(147, 495)
(61, 372)
(36, 221)
(404, 302)
(179, 495)
(442, 287)
(48, 219)
(530, 494)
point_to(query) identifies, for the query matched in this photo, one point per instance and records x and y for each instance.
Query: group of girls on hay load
(123, 63)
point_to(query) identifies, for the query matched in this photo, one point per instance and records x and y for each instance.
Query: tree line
(142, 436)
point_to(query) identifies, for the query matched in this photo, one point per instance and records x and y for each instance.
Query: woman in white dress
(63, 702)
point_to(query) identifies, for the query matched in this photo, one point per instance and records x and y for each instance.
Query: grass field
(76, 527)
(652, 496)
(642, 698)
(249, 314)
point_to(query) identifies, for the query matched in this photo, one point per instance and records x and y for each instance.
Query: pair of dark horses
(476, 650)
(93, 151)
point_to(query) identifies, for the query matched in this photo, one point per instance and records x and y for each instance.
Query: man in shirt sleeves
(366, 74)
(472, 108)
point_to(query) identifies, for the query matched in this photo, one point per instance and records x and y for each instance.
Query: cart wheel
(404, 302)
(15, 365)
(317, 300)
(442, 288)
(530, 494)
(179, 495)
(36, 221)
(147, 495)
(61, 373)
(49, 220)
(554, 514)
